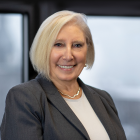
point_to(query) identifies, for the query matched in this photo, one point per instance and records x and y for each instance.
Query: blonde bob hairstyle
(47, 34)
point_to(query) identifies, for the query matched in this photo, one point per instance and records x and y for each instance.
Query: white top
(85, 113)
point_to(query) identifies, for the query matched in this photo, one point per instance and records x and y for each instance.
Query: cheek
(54, 57)
(81, 58)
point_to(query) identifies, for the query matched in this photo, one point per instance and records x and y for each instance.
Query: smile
(65, 67)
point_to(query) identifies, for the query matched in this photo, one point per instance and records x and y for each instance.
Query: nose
(68, 54)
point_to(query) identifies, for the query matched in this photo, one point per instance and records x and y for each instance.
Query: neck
(68, 87)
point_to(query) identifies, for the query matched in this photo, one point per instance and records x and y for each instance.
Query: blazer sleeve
(22, 117)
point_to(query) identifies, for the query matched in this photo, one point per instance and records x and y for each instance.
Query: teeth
(65, 67)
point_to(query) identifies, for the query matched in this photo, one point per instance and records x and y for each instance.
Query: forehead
(70, 31)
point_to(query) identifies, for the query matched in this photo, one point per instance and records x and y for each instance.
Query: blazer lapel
(99, 109)
(57, 100)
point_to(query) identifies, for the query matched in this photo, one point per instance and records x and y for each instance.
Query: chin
(67, 78)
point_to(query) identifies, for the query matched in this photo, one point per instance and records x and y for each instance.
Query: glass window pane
(117, 67)
(10, 55)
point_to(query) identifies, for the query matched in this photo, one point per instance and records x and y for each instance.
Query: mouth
(65, 67)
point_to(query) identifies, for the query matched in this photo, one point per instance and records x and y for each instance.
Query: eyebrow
(59, 40)
(77, 41)
(81, 42)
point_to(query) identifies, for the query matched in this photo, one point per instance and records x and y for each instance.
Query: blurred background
(115, 28)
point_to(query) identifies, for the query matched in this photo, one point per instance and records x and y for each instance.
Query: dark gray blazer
(36, 111)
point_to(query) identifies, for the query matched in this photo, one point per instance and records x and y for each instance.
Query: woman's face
(68, 55)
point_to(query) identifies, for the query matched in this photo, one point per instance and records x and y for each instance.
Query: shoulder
(24, 109)
(31, 87)
(27, 97)
(100, 92)
(28, 94)
(104, 96)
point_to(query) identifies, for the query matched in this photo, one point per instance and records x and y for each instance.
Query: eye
(77, 45)
(58, 44)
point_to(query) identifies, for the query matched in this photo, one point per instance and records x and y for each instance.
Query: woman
(57, 105)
